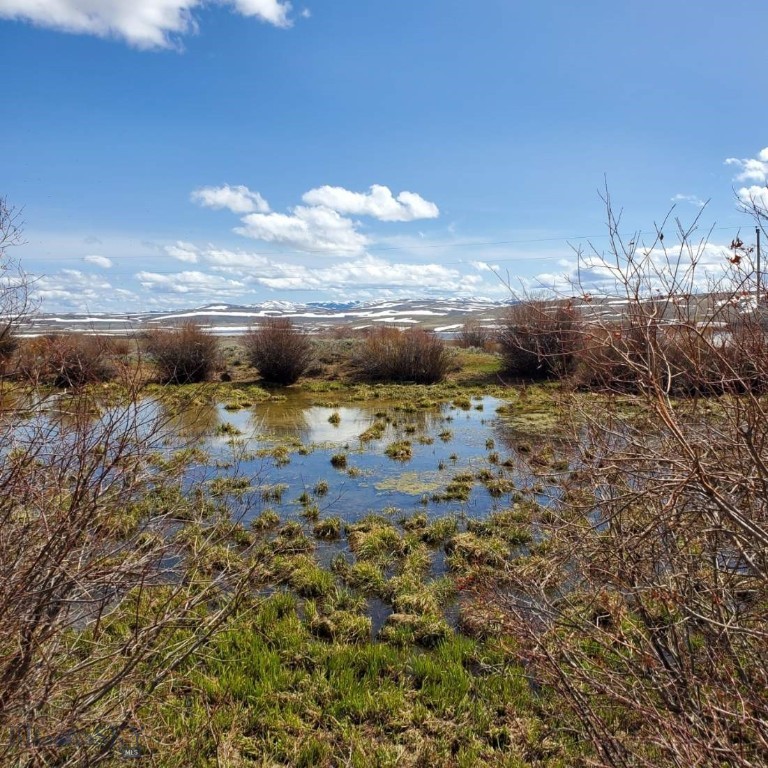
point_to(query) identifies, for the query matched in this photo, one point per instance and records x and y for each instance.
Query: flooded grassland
(370, 511)
(364, 516)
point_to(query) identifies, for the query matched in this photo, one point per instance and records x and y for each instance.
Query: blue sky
(174, 153)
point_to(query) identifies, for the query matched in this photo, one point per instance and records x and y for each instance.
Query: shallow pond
(349, 460)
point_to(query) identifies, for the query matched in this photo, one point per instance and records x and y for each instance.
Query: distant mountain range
(443, 315)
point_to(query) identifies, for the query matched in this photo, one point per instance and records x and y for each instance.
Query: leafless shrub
(603, 358)
(413, 355)
(111, 571)
(14, 284)
(539, 339)
(184, 355)
(279, 350)
(67, 360)
(473, 334)
(646, 608)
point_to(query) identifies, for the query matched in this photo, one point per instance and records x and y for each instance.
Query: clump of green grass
(335, 419)
(307, 579)
(367, 577)
(374, 540)
(458, 489)
(330, 528)
(310, 512)
(375, 431)
(266, 520)
(498, 486)
(280, 453)
(273, 493)
(417, 559)
(416, 522)
(291, 539)
(512, 525)
(339, 460)
(407, 629)
(340, 626)
(229, 486)
(446, 435)
(466, 550)
(227, 429)
(439, 530)
(400, 450)
(321, 488)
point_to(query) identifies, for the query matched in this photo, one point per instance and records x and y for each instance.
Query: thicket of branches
(279, 350)
(70, 359)
(474, 334)
(539, 340)
(103, 591)
(646, 606)
(415, 355)
(184, 355)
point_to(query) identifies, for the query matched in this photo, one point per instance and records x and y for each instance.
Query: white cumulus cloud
(142, 23)
(237, 199)
(754, 196)
(752, 168)
(378, 202)
(309, 229)
(321, 225)
(99, 261)
(183, 251)
(273, 11)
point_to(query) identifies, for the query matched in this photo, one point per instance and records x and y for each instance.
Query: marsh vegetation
(430, 565)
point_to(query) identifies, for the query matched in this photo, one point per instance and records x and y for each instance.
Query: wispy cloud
(142, 23)
(701, 268)
(99, 261)
(77, 291)
(691, 199)
(192, 283)
(230, 274)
